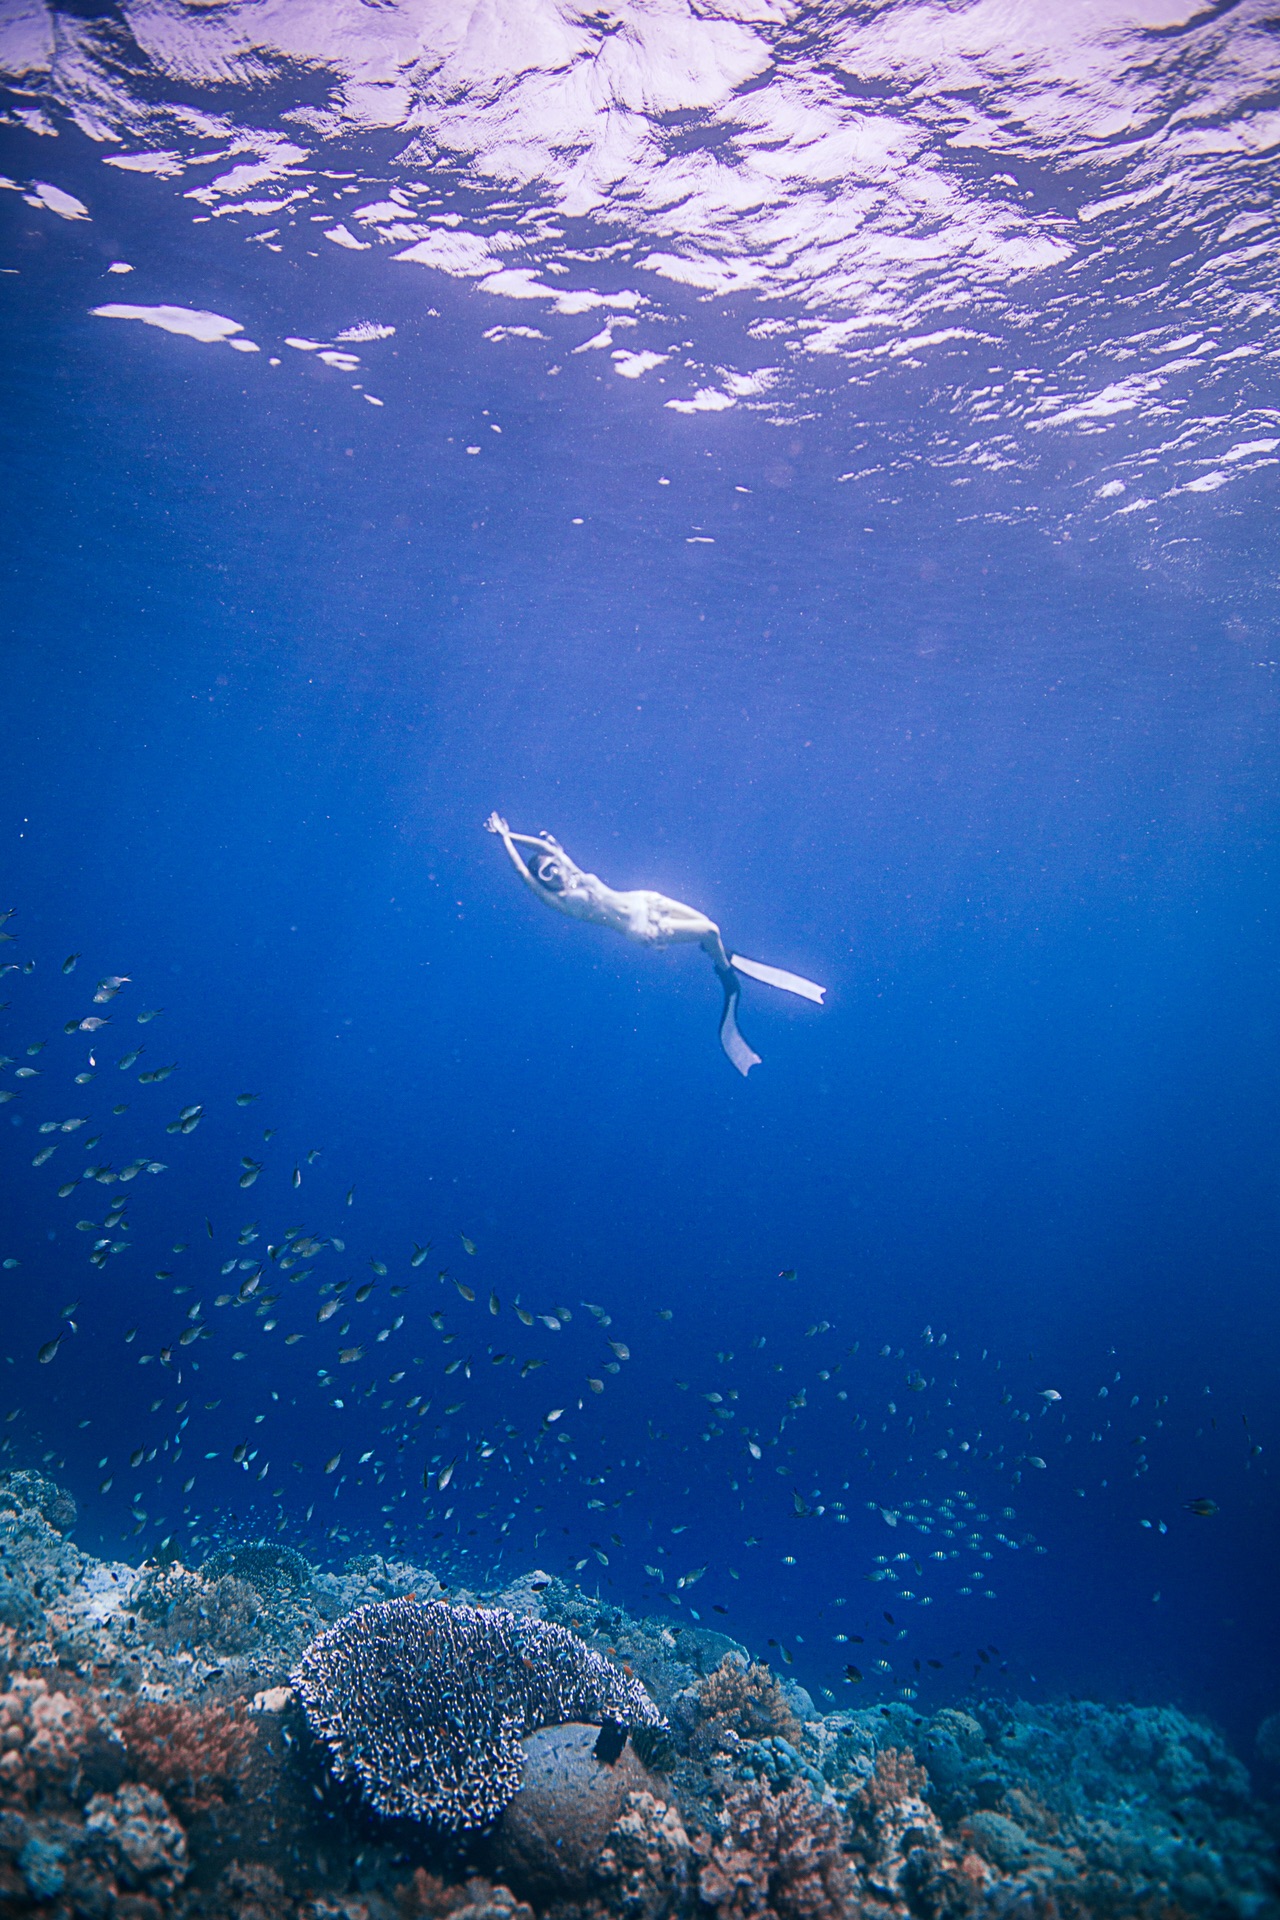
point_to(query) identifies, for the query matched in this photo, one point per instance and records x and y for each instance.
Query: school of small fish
(418, 1411)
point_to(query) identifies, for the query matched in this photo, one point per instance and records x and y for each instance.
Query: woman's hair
(547, 871)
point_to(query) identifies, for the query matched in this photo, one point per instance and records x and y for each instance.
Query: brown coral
(645, 1863)
(744, 1700)
(192, 1754)
(781, 1858)
(906, 1860)
(426, 1897)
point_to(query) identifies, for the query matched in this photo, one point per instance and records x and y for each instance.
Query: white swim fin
(777, 977)
(730, 1039)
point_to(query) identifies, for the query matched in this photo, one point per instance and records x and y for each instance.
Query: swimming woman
(648, 917)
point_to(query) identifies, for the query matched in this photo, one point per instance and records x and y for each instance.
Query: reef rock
(146, 1846)
(553, 1835)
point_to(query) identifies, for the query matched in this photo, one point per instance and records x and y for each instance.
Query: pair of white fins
(731, 1040)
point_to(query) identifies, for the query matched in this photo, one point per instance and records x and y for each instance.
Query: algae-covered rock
(551, 1836)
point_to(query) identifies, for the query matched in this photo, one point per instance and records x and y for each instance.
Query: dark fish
(49, 1351)
(247, 1099)
(852, 1673)
(788, 1273)
(1202, 1507)
(69, 964)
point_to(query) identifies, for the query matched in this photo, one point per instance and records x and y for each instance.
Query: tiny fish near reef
(424, 1705)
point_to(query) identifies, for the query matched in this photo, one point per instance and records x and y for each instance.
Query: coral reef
(194, 1755)
(273, 1571)
(424, 1705)
(644, 1866)
(154, 1763)
(780, 1857)
(738, 1703)
(185, 1609)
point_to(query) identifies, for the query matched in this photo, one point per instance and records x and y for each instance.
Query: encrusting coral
(20, 1487)
(424, 1706)
(426, 1897)
(43, 1735)
(147, 1847)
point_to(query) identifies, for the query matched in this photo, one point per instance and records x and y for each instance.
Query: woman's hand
(496, 824)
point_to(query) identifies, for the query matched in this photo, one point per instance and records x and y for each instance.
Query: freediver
(651, 918)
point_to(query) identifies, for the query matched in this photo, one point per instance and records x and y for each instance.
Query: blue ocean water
(927, 661)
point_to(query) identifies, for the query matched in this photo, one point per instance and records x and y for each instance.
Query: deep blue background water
(271, 656)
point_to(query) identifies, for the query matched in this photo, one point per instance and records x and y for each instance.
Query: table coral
(424, 1706)
(274, 1571)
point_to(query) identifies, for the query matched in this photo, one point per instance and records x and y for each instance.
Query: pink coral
(190, 1753)
(781, 1858)
(42, 1735)
(906, 1860)
(645, 1861)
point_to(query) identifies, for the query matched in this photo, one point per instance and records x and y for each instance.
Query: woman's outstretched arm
(496, 824)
